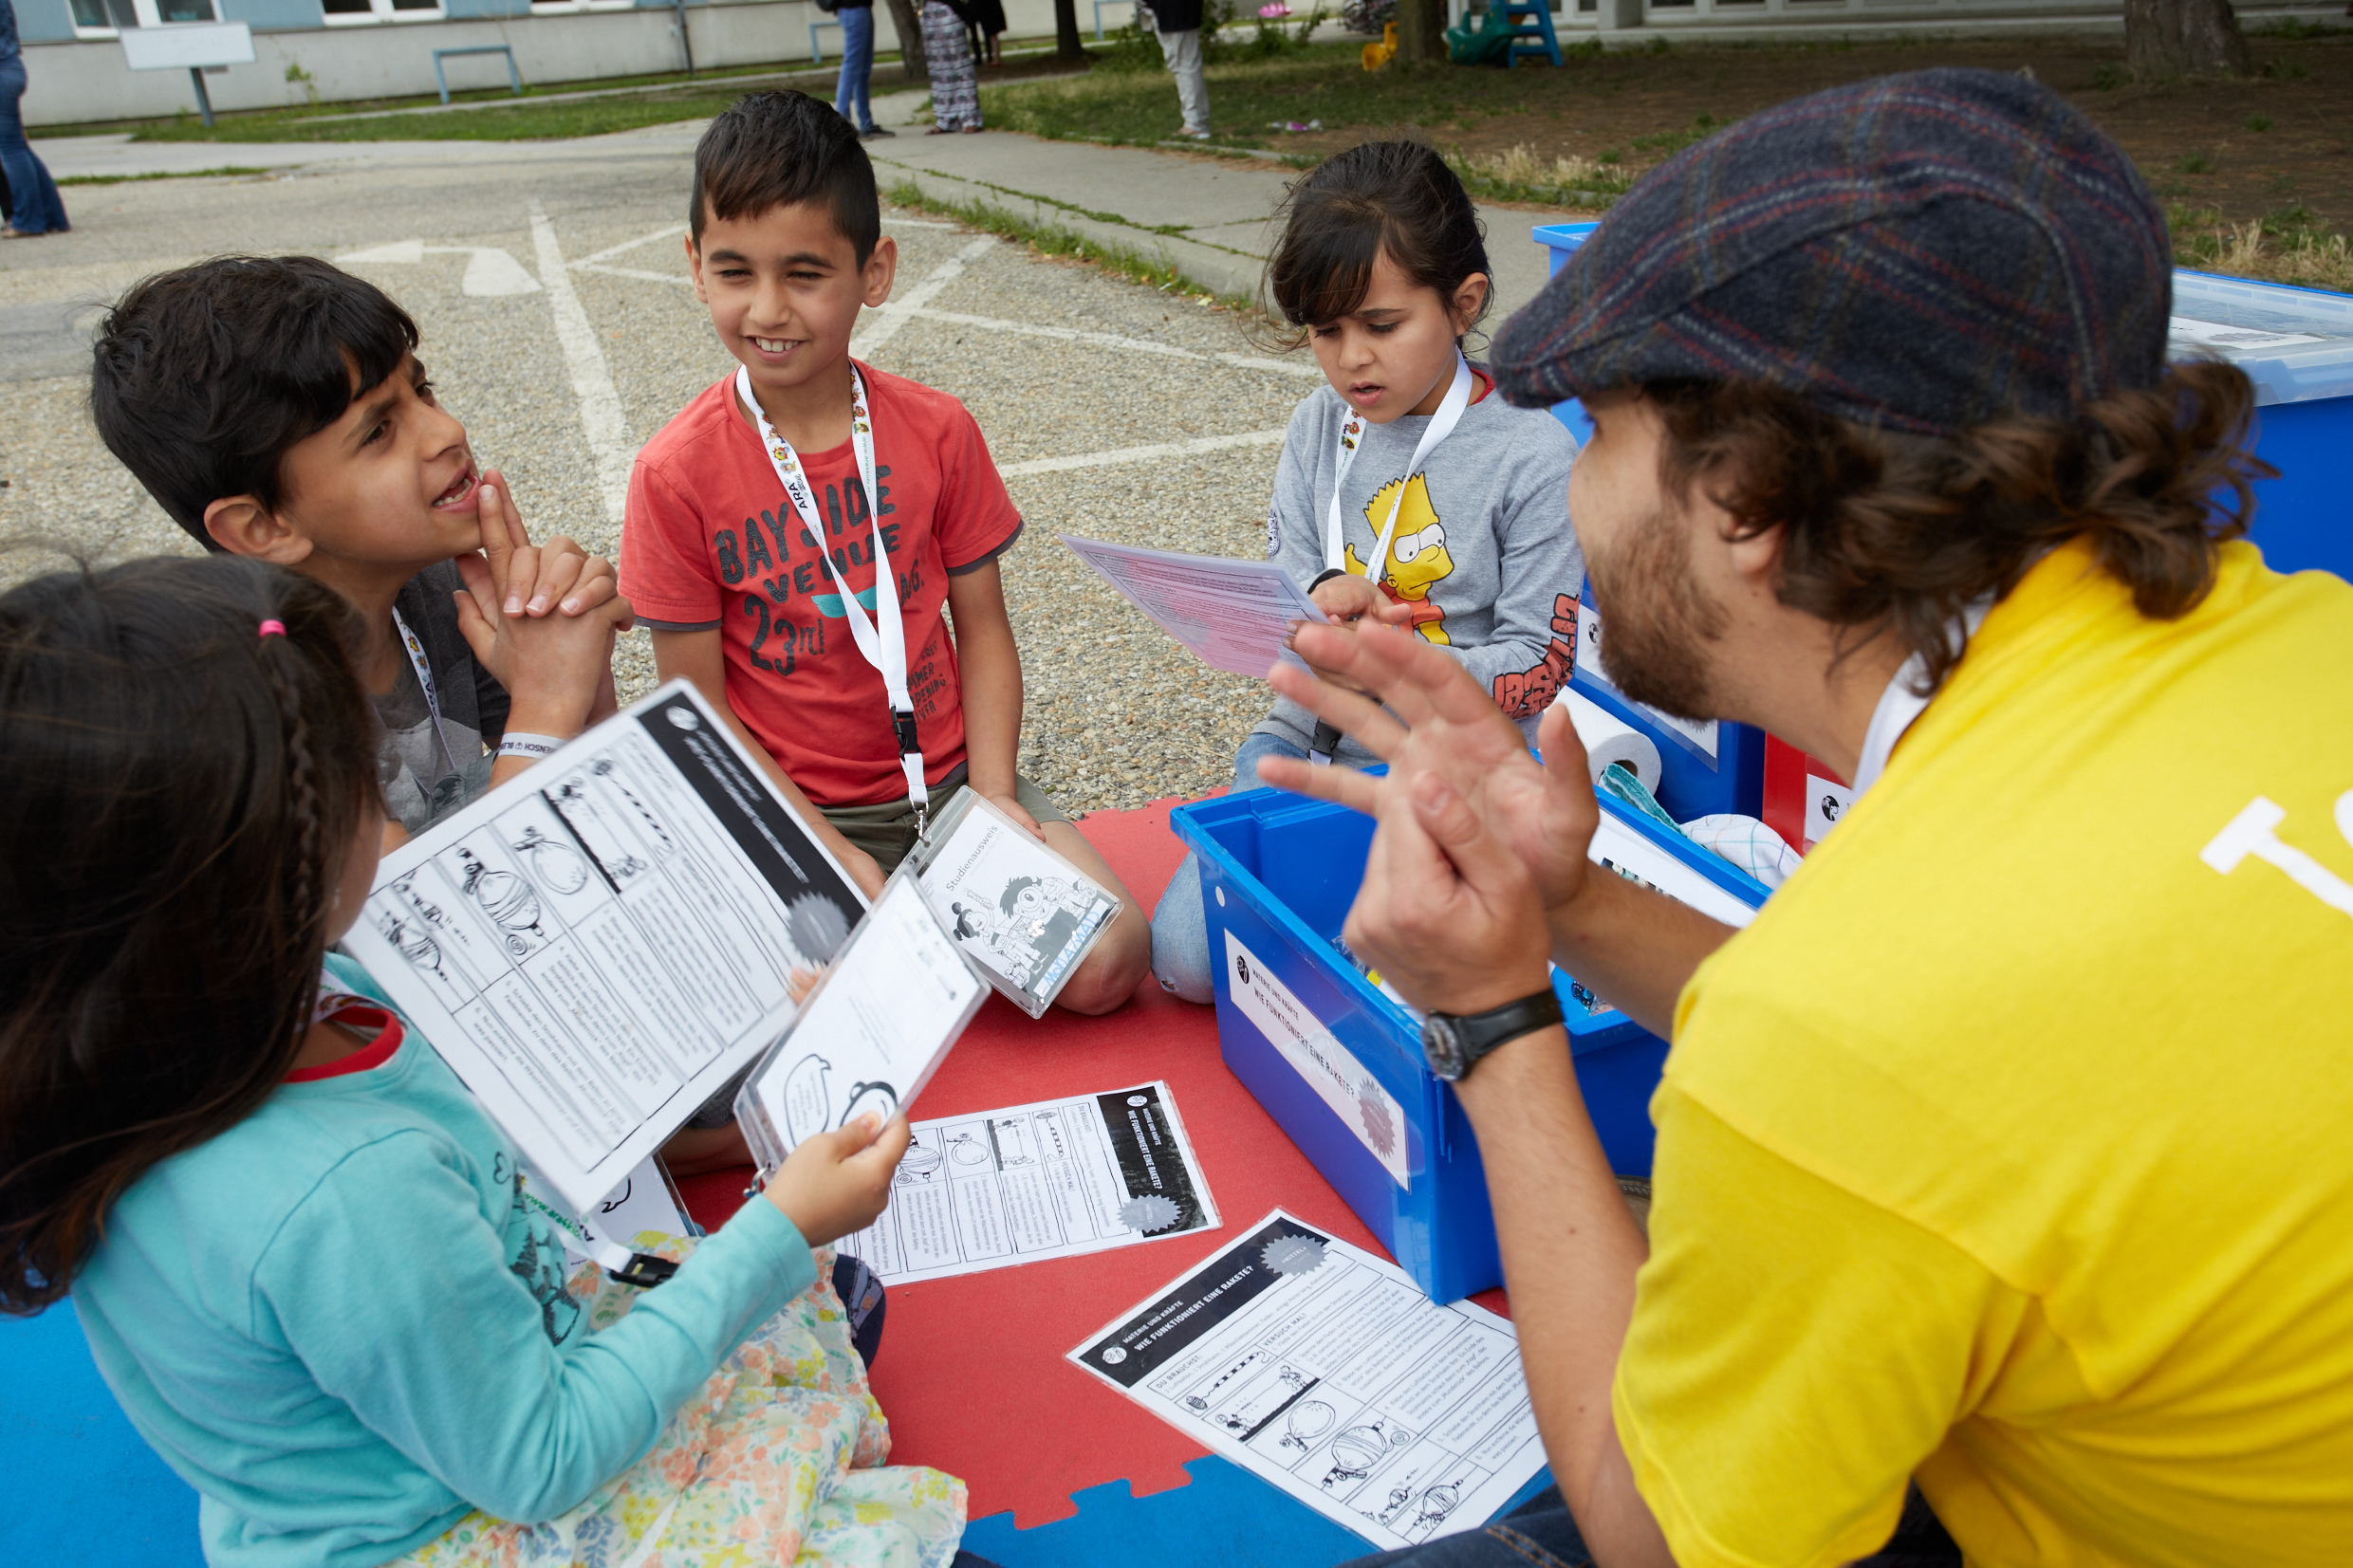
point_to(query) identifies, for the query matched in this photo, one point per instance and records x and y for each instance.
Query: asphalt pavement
(557, 325)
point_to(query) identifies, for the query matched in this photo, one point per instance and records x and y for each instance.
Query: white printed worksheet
(1031, 1181)
(599, 946)
(1325, 1371)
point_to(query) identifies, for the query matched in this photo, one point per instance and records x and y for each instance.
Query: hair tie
(273, 629)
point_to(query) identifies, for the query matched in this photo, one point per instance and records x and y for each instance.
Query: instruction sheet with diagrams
(598, 946)
(1325, 1371)
(1053, 1179)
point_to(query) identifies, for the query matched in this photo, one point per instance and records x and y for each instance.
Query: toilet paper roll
(1608, 741)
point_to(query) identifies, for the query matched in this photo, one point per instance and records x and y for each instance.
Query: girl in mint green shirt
(294, 1242)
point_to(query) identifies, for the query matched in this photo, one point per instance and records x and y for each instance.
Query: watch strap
(1480, 1033)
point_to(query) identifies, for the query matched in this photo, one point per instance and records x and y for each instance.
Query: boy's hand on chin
(537, 579)
(557, 671)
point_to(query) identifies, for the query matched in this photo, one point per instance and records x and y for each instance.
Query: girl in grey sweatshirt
(1408, 492)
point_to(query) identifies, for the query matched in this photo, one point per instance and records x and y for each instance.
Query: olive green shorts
(887, 831)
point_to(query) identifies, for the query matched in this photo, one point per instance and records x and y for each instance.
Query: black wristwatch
(1455, 1044)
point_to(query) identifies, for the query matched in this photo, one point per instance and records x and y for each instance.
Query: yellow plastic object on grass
(1377, 55)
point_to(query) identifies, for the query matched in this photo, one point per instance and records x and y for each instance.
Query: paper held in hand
(870, 1035)
(1234, 614)
(599, 946)
(1023, 915)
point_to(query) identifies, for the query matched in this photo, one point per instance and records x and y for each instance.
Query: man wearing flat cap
(2005, 1161)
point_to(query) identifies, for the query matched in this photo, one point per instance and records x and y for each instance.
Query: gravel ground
(1117, 714)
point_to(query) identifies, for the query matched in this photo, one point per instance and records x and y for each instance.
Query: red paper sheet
(971, 1370)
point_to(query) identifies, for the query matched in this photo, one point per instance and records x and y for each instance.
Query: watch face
(1442, 1046)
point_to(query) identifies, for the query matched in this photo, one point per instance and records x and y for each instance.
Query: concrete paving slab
(1141, 188)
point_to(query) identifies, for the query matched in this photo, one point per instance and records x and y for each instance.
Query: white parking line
(1144, 455)
(612, 250)
(896, 314)
(635, 272)
(592, 381)
(912, 307)
(1113, 340)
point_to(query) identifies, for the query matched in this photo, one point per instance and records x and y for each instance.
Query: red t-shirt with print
(711, 543)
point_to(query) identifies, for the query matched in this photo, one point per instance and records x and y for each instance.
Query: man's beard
(1655, 619)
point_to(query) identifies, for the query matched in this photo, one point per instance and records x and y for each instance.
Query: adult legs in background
(956, 84)
(1181, 955)
(1182, 50)
(849, 93)
(35, 207)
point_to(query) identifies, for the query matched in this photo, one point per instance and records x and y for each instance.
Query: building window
(565, 8)
(344, 13)
(107, 18)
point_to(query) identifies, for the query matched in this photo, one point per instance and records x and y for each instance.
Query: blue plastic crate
(2296, 344)
(1278, 873)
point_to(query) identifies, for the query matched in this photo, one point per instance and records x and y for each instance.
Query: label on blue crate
(1692, 734)
(1052, 1179)
(1316, 1055)
(1826, 801)
(2186, 330)
(1325, 1371)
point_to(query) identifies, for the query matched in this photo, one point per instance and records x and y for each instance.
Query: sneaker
(873, 131)
(1193, 135)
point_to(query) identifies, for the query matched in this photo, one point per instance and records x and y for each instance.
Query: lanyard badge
(1376, 565)
(883, 638)
(424, 678)
(1352, 434)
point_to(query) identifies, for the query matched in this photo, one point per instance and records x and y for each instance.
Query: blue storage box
(2296, 344)
(1339, 1065)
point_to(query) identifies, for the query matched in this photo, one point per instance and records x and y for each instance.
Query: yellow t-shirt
(2013, 1146)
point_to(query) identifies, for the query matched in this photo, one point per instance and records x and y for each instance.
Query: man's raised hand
(1437, 721)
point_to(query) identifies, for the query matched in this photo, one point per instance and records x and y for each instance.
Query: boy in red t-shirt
(720, 553)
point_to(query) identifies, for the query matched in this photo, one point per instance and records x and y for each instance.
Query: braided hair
(180, 802)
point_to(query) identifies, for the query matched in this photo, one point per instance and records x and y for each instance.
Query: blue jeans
(1180, 959)
(34, 206)
(849, 93)
(1542, 1534)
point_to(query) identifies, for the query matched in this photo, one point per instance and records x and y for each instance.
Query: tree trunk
(2164, 39)
(1421, 31)
(910, 42)
(1067, 43)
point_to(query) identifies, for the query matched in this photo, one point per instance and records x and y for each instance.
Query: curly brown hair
(179, 796)
(1901, 533)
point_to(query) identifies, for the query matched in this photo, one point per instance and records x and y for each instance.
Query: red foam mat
(971, 1370)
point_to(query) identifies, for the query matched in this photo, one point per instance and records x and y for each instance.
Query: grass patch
(673, 95)
(2258, 122)
(2286, 246)
(1321, 82)
(2195, 163)
(226, 171)
(1052, 240)
(1524, 175)
(526, 121)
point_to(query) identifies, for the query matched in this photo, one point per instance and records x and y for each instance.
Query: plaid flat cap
(1923, 251)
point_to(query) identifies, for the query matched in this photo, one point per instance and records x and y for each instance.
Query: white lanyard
(1351, 435)
(886, 648)
(433, 698)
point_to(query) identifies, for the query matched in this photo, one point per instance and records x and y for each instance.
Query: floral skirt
(948, 56)
(778, 1460)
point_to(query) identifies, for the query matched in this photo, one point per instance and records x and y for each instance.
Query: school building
(336, 51)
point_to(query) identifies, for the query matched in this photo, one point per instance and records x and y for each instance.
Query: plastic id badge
(1020, 913)
(897, 995)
